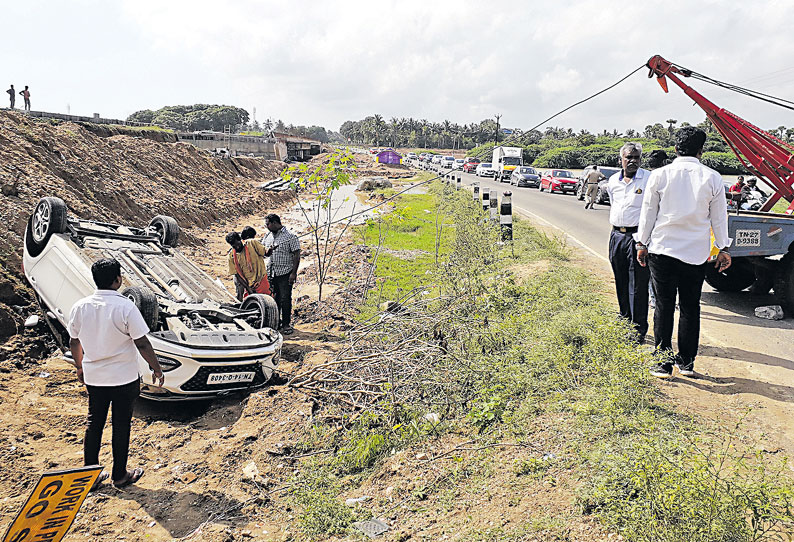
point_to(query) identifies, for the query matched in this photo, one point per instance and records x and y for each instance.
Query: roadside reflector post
(493, 202)
(506, 216)
(485, 203)
(476, 192)
(459, 183)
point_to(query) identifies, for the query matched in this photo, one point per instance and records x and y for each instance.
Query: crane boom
(769, 157)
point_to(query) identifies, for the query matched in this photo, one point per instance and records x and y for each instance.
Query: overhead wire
(775, 100)
(511, 139)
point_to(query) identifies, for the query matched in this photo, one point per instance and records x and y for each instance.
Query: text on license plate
(229, 378)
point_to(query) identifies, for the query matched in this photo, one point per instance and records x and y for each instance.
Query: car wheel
(167, 229)
(737, 277)
(580, 193)
(540, 187)
(48, 217)
(147, 304)
(599, 197)
(267, 310)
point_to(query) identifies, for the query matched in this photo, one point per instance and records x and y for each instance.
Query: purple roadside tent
(389, 157)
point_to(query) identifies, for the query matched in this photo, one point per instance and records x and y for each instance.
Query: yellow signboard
(51, 508)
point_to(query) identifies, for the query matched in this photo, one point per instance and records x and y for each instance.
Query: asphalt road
(745, 362)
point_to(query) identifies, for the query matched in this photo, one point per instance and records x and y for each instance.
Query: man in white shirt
(107, 333)
(626, 190)
(684, 202)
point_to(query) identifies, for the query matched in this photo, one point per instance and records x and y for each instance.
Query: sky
(310, 62)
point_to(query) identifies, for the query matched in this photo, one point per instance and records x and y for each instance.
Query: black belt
(625, 229)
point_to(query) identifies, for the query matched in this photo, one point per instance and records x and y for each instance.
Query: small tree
(320, 183)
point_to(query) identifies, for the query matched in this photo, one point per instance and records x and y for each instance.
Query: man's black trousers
(100, 398)
(282, 293)
(631, 280)
(670, 276)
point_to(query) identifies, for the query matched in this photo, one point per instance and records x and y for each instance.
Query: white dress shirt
(683, 202)
(625, 198)
(107, 323)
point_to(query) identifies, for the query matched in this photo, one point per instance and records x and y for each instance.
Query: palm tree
(671, 123)
(394, 126)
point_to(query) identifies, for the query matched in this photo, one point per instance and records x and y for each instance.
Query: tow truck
(763, 242)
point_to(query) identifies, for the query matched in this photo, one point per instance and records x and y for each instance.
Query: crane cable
(511, 139)
(775, 100)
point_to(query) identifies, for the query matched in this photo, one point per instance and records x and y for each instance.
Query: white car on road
(208, 343)
(484, 169)
(448, 162)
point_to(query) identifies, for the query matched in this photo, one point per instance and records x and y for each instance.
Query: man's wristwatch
(639, 246)
(725, 251)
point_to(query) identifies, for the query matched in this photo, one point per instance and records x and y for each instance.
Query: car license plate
(230, 378)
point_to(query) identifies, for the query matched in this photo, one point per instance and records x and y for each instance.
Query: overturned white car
(208, 343)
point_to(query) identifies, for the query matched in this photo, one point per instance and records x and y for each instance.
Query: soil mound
(117, 178)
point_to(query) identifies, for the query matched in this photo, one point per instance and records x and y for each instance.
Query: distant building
(389, 157)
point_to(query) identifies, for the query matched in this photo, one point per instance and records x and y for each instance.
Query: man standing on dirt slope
(247, 264)
(26, 96)
(12, 93)
(107, 333)
(239, 288)
(626, 189)
(284, 250)
(683, 204)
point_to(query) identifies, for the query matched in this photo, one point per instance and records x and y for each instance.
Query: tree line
(218, 118)
(421, 133)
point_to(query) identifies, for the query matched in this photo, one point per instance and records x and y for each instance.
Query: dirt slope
(111, 177)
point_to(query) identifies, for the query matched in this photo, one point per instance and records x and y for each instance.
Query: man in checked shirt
(284, 250)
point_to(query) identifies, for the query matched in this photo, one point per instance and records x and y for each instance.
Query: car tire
(580, 193)
(48, 217)
(784, 282)
(268, 310)
(540, 187)
(737, 277)
(147, 304)
(167, 229)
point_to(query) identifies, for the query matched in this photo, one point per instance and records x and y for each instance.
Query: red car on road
(560, 180)
(470, 165)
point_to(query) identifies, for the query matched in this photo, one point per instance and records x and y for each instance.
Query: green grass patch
(780, 207)
(522, 342)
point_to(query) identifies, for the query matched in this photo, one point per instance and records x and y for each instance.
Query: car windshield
(608, 171)
(512, 161)
(486, 164)
(473, 160)
(561, 173)
(528, 170)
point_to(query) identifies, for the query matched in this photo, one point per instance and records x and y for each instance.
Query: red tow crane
(769, 157)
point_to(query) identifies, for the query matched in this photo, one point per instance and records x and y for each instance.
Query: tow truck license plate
(228, 378)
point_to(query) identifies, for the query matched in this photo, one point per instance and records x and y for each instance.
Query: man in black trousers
(626, 190)
(107, 334)
(683, 204)
(284, 250)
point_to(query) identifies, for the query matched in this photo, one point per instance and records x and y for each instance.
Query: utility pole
(496, 135)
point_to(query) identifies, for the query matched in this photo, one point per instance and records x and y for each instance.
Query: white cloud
(326, 62)
(559, 80)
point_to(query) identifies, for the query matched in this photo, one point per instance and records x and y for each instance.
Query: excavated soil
(196, 454)
(118, 178)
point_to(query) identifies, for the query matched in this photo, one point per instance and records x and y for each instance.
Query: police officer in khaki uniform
(591, 178)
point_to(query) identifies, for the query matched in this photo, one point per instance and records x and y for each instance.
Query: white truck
(505, 160)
